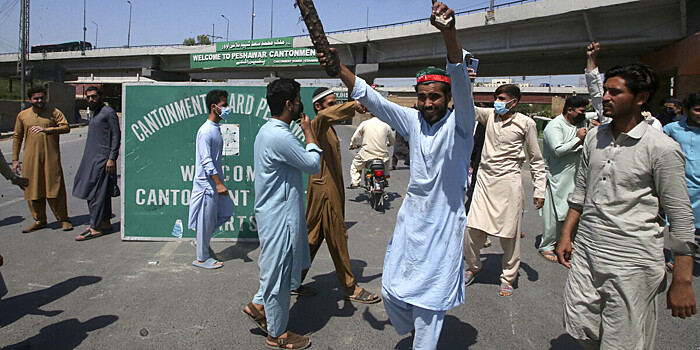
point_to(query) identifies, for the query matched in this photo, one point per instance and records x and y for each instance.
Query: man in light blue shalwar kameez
(210, 204)
(279, 210)
(423, 273)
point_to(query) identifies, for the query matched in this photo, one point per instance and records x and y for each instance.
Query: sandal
(365, 297)
(210, 263)
(507, 288)
(469, 277)
(547, 255)
(295, 340)
(351, 186)
(259, 319)
(88, 234)
(304, 291)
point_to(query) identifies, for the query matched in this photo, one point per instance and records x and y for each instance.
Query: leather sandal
(295, 340)
(259, 319)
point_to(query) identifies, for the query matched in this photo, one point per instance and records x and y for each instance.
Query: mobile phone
(473, 64)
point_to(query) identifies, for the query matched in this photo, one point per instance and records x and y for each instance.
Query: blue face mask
(224, 112)
(500, 107)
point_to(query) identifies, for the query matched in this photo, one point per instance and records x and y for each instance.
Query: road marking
(38, 285)
(169, 248)
(11, 202)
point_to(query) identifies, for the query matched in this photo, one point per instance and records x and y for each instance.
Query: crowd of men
(608, 183)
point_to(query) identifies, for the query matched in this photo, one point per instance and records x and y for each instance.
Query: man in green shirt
(562, 139)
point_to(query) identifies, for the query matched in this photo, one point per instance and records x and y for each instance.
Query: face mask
(224, 112)
(670, 111)
(500, 107)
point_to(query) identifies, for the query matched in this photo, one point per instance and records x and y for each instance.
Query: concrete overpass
(533, 38)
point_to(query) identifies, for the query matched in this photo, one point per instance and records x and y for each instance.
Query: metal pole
(84, 26)
(252, 21)
(128, 37)
(24, 39)
(272, 12)
(227, 23)
(97, 29)
(491, 5)
(212, 33)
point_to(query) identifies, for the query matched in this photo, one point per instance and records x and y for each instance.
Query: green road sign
(293, 56)
(160, 124)
(255, 44)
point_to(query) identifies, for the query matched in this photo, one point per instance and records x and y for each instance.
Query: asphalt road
(109, 294)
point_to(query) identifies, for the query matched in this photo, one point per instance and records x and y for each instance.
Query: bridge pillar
(367, 71)
(680, 61)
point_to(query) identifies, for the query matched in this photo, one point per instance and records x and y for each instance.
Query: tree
(201, 40)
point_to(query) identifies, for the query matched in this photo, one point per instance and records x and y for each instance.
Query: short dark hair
(511, 90)
(638, 78)
(93, 88)
(36, 89)
(279, 92)
(575, 102)
(445, 88)
(692, 100)
(214, 97)
(675, 101)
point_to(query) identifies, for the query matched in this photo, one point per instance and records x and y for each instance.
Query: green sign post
(159, 125)
(275, 52)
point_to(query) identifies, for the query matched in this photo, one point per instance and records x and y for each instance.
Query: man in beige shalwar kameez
(497, 207)
(38, 127)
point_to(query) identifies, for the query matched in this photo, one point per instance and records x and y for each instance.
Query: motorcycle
(375, 181)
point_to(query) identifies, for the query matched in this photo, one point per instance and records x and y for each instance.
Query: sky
(158, 22)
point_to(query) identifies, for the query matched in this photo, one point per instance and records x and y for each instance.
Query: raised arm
(594, 81)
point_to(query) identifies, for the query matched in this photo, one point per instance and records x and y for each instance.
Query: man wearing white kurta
(279, 210)
(210, 205)
(497, 207)
(376, 136)
(423, 267)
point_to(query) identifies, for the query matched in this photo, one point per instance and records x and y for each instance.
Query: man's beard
(432, 119)
(39, 105)
(297, 114)
(579, 118)
(95, 107)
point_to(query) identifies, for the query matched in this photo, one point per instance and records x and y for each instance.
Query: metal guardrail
(358, 29)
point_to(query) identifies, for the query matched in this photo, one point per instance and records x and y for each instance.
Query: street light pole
(272, 12)
(227, 23)
(252, 21)
(97, 29)
(128, 37)
(84, 27)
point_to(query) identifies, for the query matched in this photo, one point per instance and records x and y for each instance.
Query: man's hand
(581, 133)
(594, 123)
(680, 298)
(16, 167)
(323, 59)
(447, 15)
(472, 75)
(564, 250)
(538, 202)
(22, 182)
(359, 108)
(111, 167)
(221, 189)
(305, 122)
(592, 50)
(37, 129)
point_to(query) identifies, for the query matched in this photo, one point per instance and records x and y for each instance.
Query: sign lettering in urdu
(160, 125)
(255, 53)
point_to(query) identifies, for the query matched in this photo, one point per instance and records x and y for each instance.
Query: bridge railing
(358, 29)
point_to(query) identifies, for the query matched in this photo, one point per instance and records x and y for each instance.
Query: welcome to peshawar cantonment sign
(275, 52)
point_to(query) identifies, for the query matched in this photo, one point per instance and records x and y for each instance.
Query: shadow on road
(492, 268)
(312, 313)
(455, 335)
(11, 220)
(565, 342)
(16, 307)
(64, 335)
(238, 251)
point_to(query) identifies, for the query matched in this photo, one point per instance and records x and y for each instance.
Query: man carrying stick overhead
(423, 267)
